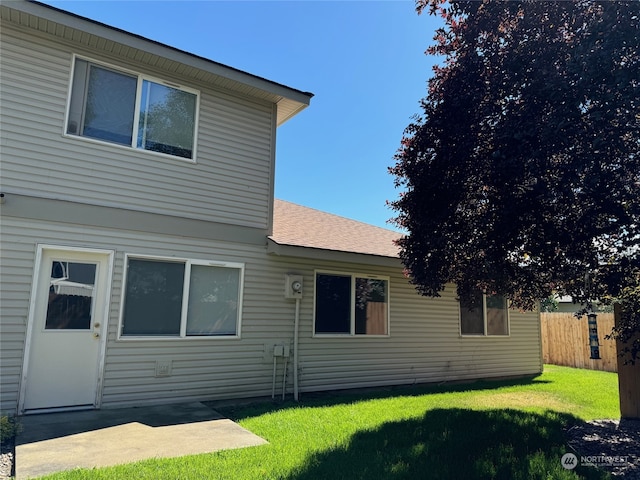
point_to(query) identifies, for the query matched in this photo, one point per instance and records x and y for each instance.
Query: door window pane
(213, 301)
(333, 304)
(71, 292)
(371, 307)
(167, 120)
(153, 298)
(110, 105)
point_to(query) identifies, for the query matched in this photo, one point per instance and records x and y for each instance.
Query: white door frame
(31, 320)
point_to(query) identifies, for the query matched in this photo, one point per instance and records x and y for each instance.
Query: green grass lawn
(507, 430)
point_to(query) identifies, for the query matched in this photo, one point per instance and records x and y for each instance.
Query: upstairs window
(486, 315)
(351, 305)
(127, 109)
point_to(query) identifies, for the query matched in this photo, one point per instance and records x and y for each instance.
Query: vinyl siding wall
(424, 343)
(230, 182)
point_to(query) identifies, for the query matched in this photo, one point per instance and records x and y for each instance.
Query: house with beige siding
(145, 260)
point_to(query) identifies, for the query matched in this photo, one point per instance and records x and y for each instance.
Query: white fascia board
(274, 248)
(156, 48)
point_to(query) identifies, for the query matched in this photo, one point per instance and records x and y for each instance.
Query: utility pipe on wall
(284, 378)
(296, 324)
(273, 388)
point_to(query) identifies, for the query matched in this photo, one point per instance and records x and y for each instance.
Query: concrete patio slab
(54, 442)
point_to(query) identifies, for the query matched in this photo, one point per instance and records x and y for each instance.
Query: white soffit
(110, 40)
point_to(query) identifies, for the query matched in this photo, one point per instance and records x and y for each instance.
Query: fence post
(628, 378)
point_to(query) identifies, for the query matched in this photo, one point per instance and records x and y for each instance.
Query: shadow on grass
(342, 397)
(454, 444)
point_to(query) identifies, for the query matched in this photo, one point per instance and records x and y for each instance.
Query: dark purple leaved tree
(521, 176)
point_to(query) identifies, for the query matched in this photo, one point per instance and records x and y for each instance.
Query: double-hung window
(128, 109)
(348, 304)
(181, 298)
(485, 315)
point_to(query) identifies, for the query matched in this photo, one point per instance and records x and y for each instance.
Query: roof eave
(290, 101)
(275, 248)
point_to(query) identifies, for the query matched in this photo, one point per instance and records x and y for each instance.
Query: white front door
(67, 324)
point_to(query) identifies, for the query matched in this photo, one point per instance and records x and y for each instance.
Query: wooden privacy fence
(565, 341)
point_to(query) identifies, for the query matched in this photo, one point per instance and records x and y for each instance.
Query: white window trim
(188, 262)
(136, 117)
(484, 319)
(352, 319)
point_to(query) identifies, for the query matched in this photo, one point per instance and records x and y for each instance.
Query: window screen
(153, 298)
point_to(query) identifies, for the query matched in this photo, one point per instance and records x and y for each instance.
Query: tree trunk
(628, 379)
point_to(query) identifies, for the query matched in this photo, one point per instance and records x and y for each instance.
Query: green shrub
(9, 428)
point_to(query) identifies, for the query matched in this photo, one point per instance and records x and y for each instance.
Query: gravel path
(605, 442)
(6, 461)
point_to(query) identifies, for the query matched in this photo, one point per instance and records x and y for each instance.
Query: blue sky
(363, 60)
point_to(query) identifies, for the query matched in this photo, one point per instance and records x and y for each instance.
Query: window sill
(480, 335)
(346, 335)
(140, 338)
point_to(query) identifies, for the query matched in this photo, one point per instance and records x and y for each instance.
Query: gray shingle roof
(300, 226)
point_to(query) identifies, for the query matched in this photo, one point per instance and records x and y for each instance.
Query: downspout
(296, 324)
